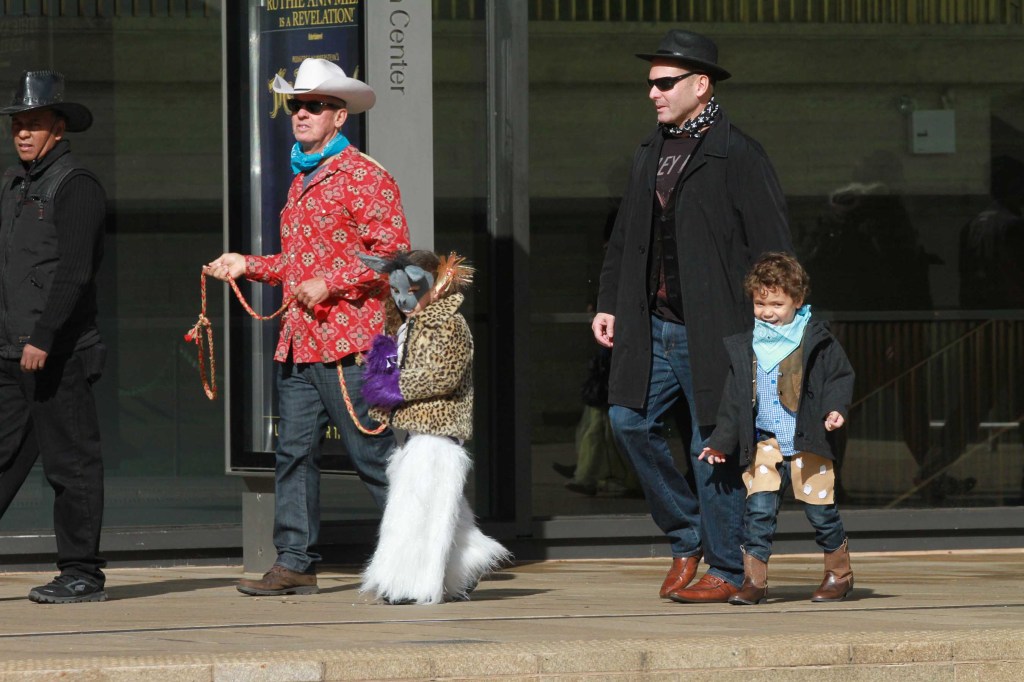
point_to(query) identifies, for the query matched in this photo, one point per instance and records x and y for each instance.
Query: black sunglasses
(294, 105)
(666, 83)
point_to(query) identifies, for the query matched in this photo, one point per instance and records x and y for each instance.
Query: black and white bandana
(694, 126)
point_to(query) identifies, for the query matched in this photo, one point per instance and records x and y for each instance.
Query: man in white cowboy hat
(702, 204)
(51, 229)
(341, 204)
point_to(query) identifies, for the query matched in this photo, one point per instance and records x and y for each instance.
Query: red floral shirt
(352, 206)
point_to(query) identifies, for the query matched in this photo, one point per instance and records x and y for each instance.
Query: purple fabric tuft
(380, 375)
(382, 356)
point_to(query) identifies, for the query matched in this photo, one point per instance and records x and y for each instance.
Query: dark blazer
(729, 210)
(827, 385)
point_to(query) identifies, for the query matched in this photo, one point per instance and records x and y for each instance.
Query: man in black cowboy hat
(702, 204)
(51, 237)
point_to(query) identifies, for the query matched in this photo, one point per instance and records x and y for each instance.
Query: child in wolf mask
(430, 549)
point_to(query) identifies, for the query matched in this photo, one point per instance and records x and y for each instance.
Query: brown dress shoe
(279, 580)
(679, 576)
(708, 590)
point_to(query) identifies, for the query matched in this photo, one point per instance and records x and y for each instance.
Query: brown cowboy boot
(838, 576)
(754, 589)
(680, 574)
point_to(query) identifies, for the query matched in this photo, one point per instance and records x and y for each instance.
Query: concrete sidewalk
(936, 616)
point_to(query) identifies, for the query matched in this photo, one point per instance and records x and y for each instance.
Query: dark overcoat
(826, 385)
(729, 210)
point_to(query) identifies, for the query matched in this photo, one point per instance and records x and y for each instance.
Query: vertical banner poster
(290, 31)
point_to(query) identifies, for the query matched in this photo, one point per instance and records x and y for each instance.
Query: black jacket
(50, 251)
(827, 386)
(729, 210)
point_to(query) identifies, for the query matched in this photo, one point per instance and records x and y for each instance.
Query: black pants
(52, 413)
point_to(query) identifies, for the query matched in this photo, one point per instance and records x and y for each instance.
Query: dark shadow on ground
(353, 582)
(168, 587)
(484, 594)
(351, 585)
(796, 594)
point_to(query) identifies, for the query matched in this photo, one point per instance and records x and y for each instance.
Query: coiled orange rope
(195, 335)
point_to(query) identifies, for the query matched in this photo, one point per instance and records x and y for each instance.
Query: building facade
(897, 131)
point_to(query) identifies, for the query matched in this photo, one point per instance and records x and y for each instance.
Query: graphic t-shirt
(668, 301)
(675, 153)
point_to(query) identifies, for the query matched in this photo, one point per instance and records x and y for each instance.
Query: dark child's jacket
(814, 380)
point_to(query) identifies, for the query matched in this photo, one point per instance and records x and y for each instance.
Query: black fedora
(45, 89)
(692, 49)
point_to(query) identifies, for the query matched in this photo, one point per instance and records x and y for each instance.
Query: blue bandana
(303, 163)
(773, 344)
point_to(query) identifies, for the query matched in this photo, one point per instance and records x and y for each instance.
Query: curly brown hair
(777, 270)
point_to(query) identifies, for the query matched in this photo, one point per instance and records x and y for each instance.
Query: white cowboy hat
(321, 77)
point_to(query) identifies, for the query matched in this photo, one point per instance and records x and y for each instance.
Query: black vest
(29, 257)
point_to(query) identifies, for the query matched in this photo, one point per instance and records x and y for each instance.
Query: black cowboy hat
(692, 49)
(45, 89)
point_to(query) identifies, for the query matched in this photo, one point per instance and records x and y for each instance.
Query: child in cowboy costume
(788, 389)
(430, 549)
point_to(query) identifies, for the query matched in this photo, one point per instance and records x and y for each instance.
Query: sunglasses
(666, 83)
(295, 105)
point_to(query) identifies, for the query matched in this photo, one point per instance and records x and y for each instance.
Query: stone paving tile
(917, 615)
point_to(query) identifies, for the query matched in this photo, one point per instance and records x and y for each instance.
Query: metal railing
(105, 9)
(909, 12)
(948, 390)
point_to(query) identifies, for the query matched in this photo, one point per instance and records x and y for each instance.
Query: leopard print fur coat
(436, 376)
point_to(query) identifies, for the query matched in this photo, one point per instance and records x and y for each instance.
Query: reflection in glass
(942, 427)
(460, 201)
(156, 146)
(915, 258)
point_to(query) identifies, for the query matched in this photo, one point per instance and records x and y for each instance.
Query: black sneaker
(68, 589)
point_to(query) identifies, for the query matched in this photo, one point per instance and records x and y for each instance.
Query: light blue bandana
(303, 163)
(772, 344)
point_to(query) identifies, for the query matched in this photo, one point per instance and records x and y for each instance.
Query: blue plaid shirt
(772, 415)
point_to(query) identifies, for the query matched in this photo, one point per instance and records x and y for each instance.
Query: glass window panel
(901, 168)
(156, 146)
(460, 199)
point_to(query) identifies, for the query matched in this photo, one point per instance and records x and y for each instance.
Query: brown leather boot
(838, 576)
(754, 589)
(279, 580)
(680, 574)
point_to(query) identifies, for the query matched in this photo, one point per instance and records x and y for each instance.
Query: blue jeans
(310, 395)
(762, 514)
(709, 518)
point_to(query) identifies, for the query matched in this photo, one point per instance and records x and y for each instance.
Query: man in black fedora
(51, 241)
(702, 204)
